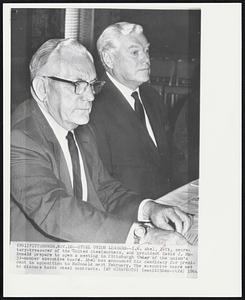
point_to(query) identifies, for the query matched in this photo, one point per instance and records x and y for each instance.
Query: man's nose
(146, 58)
(89, 95)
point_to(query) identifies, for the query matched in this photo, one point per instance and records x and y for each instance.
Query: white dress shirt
(127, 95)
(61, 134)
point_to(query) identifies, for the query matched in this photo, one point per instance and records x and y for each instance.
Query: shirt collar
(127, 92)
(58, 130)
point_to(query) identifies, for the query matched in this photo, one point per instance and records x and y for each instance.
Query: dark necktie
(138, 108)
(77, 182)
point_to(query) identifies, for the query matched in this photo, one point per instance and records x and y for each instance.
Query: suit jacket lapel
(154, 118)
(83, 142)
(116, 94)
(50, 138)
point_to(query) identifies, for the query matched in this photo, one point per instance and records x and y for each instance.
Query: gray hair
(40, 58)
(109, 39)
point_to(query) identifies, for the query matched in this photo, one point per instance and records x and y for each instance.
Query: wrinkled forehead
(70, 63)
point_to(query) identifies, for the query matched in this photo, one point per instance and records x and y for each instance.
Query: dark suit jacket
(42, 205)
(124, 144)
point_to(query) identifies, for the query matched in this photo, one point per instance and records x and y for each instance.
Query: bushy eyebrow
(137, 46)
(85, 75)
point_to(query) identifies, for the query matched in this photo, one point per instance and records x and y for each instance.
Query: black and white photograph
(105, 168)
(77, 183)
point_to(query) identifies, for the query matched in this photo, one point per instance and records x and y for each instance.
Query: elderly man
(128, 116)
(60, 190)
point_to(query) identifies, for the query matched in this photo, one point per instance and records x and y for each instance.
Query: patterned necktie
(77, 182)
(138, 108)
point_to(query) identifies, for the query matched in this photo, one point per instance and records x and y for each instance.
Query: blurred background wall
(172, 33)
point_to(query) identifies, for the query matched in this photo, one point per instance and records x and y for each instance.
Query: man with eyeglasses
(60, 190)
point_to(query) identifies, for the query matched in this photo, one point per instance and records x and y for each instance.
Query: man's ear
(39, 85)
(108, 59)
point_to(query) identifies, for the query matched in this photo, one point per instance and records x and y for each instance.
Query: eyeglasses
(81, 85)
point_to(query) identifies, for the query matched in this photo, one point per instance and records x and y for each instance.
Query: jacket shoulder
(102, 106)
(104, 98)
(22, 113)
(148, 90)
(22, 121)
(28, 126)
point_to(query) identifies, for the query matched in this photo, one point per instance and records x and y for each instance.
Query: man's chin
(81, 121)
(144, 77)
(84, 120)
(81, 117)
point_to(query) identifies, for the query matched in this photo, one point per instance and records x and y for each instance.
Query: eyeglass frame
(76, 83)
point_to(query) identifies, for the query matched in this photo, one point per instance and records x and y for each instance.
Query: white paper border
(220, 190)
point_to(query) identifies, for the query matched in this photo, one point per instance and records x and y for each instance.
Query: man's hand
(163, 237)
(167, 217)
